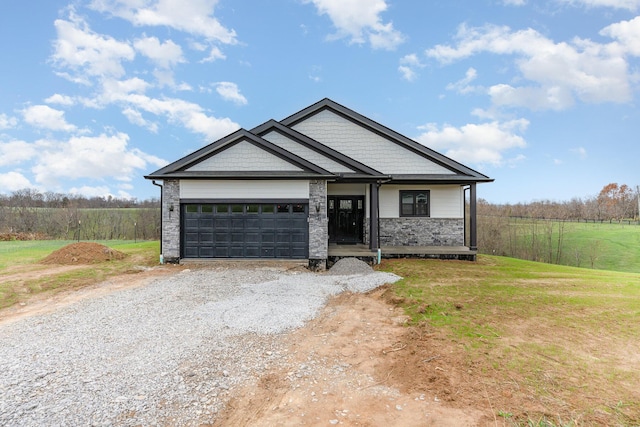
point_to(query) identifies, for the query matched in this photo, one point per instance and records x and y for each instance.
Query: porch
(363, 252)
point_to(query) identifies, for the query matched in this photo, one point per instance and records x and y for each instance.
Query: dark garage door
(249, 230)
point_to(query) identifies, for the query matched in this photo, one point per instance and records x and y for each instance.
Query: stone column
(171, 220)
(318, 225)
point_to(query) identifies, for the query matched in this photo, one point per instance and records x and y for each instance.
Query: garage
(264, 229)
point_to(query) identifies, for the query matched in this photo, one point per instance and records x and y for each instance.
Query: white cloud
(88, 191)
(214, 54)
(229, 92)
(192, 17)
(408, 65)
(164, 55)
(514, 2)
(87, 53)
(188, 114)
(559, 72)
(13, 181)
(483, 143)
(627, 33)
(45, 117)
(360, 21)
(7, 122)
(60, 100)
(14, 152)
(631, 5)
(99, 157)
(462, 85)
(135, 117)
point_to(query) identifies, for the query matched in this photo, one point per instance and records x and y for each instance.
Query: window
(414, 203)
(267, 209)
(283, 208)
(251, 209)
(222, 209)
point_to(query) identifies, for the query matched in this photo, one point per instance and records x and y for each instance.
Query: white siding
(244, 156)
(365, 146)
(244, 189)
(446, 200)
(306, 153)
(346, 189)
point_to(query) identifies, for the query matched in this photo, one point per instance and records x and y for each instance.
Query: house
(305, 186)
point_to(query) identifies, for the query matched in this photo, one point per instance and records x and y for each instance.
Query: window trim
(413, 193)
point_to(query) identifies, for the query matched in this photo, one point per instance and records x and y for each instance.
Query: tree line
(536, 231)
(29, 214)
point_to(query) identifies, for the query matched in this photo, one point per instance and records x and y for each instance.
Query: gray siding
(244, 156)
(365, 146)
(306, 153)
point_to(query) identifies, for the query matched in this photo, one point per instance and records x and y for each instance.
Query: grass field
(602, 246)
(613, 246)
(552, 345)
(21, 276)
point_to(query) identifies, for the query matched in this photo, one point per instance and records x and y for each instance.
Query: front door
(346, 215)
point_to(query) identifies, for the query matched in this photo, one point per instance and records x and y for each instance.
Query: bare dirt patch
(83, 253)
(358, 364)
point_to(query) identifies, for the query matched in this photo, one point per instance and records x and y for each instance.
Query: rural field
(497, 342)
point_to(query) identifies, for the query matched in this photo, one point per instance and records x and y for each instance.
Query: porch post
(373, 217)
(473, 221)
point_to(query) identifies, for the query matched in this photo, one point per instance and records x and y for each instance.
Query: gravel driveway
(168, 353)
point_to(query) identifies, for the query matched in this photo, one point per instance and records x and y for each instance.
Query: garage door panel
(205, 223)
(206, 252)
(215, 230)
(191, 237)
(252, 251)
(251, 238)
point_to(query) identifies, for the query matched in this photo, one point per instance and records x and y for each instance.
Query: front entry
(346, 215)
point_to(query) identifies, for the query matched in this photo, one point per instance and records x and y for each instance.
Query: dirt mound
(83, 253)
(348, 266)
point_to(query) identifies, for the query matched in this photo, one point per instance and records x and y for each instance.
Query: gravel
(168, 353)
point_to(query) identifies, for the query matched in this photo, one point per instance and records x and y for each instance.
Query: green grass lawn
(562, 342)
(21, 275)
(611, 246)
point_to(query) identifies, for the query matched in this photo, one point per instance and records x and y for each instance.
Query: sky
(539, 95)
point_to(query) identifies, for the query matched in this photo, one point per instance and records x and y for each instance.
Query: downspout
(161, 223)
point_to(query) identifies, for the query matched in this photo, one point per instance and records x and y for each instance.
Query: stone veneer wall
(421, 232)
(318, 224)
(171, 220)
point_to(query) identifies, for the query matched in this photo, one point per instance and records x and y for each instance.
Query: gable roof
(250, 155)
(303, 140)
(186, 167)
(390, 135)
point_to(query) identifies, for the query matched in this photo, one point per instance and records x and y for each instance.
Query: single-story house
(324, 176)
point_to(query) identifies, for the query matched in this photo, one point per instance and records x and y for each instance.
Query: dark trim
(383, 131)
(242, 175)
(414, 192)
(473, 223)
(374, 216)
(244, 201)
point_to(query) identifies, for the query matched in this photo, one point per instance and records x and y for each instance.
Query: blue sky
(540, 95)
